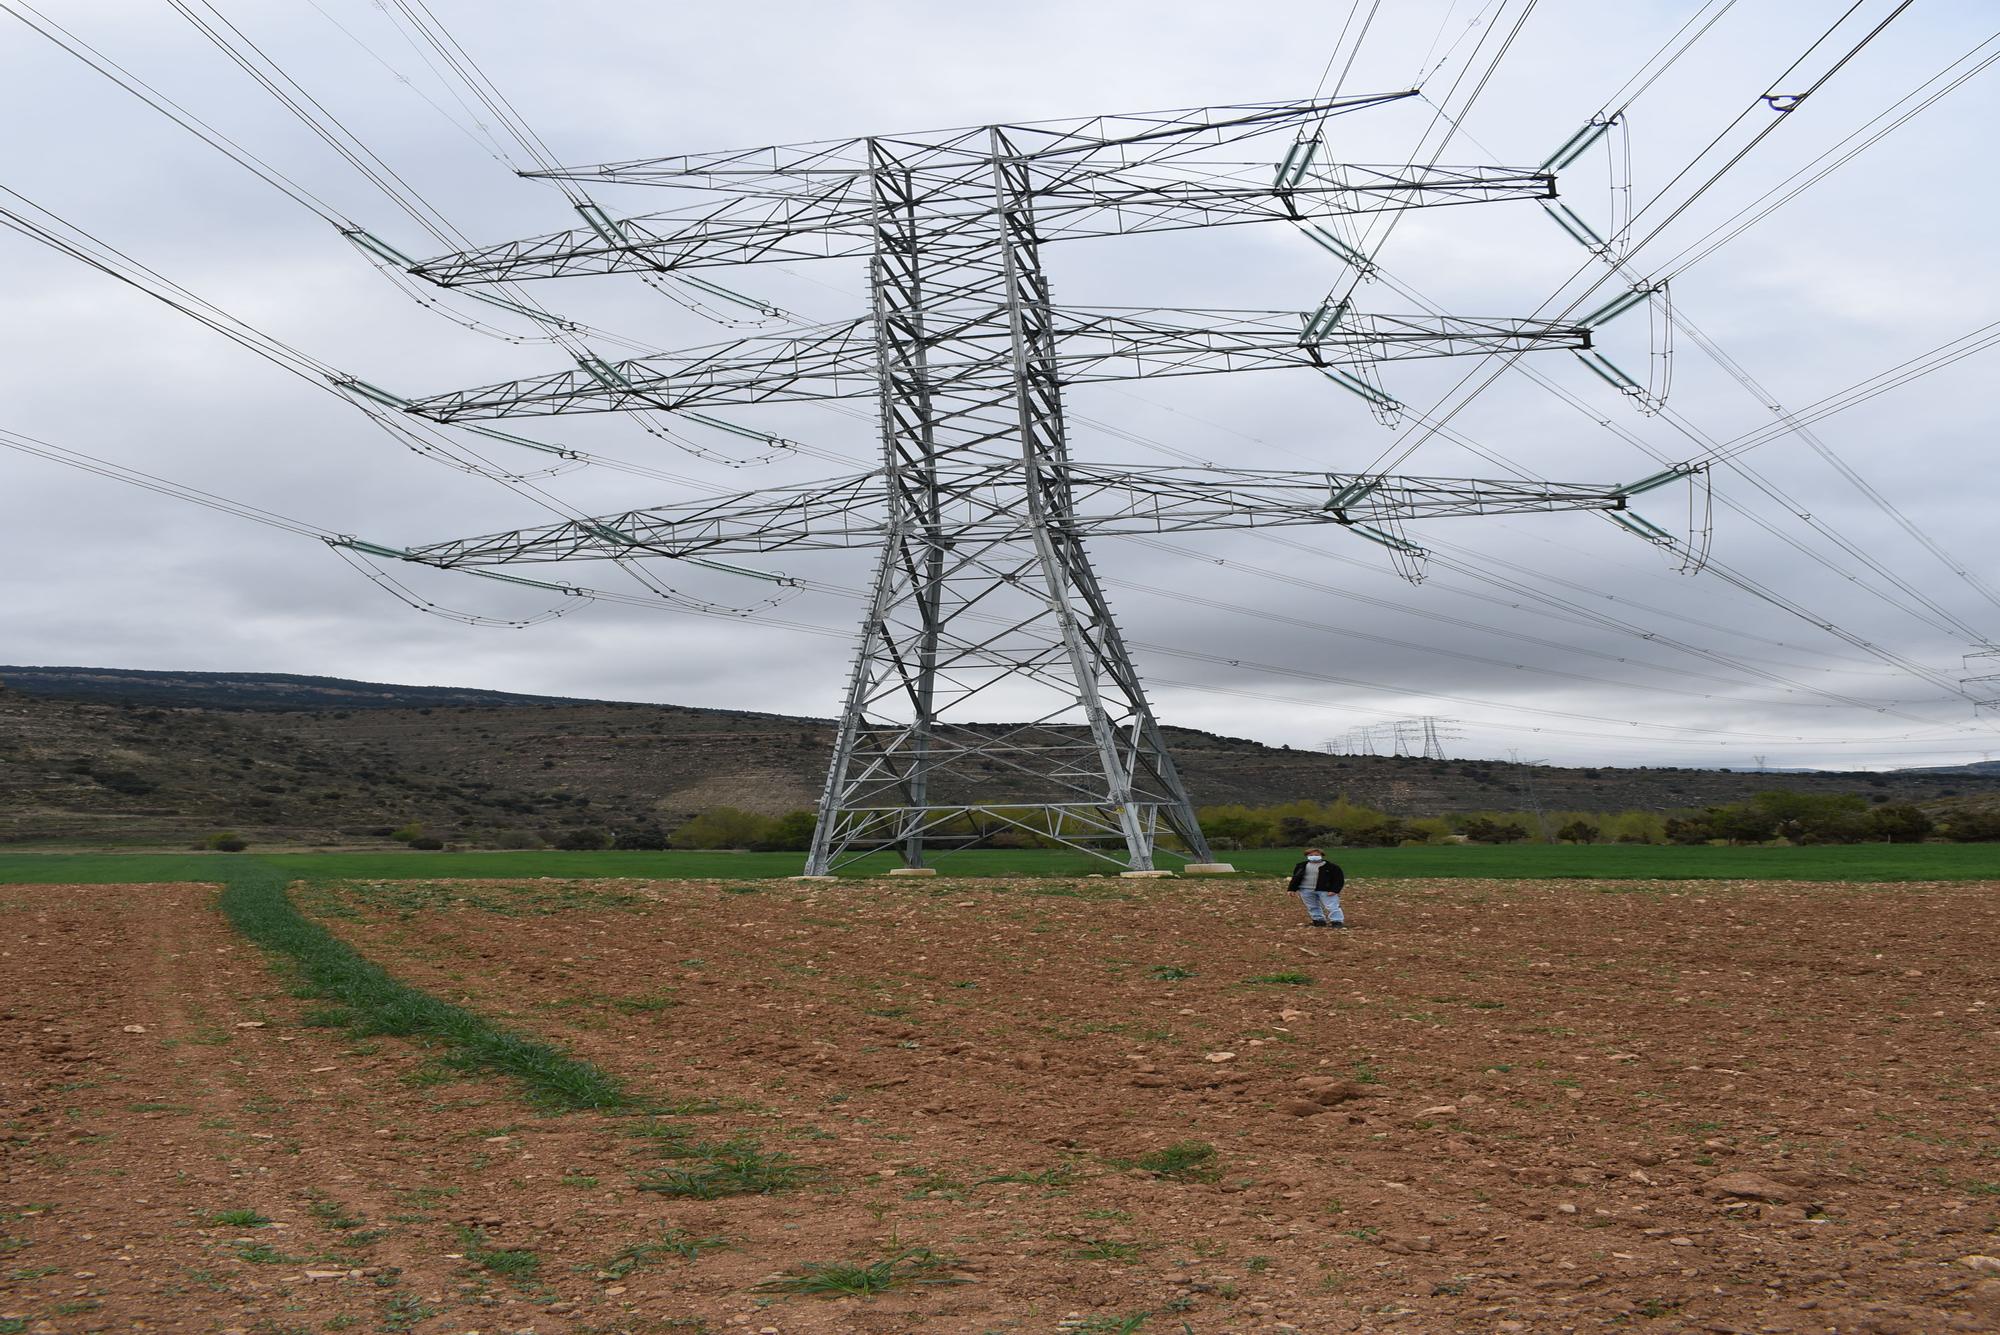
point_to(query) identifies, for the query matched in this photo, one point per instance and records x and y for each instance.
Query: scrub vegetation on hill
(348, 764)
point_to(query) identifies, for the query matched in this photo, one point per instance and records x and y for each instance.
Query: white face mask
(1314, 857)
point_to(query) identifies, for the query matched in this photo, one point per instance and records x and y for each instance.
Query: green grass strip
(256, 904)
(1827, 862)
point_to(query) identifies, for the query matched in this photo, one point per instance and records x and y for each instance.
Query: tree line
(1799, 818)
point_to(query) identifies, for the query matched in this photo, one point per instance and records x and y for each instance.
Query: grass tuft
(674, 1242)
(1184, 1161)
(832, 1279)
(734, 1168)
(237, 1219)
(515, 1264)
(1105, 1250)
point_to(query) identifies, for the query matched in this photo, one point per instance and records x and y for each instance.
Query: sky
(1557, 637)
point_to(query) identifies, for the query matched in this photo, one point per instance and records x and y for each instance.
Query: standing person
(1317, 882)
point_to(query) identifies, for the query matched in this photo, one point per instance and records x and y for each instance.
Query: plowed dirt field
(1095, 1106)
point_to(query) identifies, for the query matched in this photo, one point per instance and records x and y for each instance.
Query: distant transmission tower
(1985, 656)
(978, 509)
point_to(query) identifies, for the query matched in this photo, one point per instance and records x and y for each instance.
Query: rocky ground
(1095, 1106)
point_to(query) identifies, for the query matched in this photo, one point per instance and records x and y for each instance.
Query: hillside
(302, 760)
(244, 690)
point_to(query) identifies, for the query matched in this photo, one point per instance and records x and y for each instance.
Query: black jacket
(1331, 878)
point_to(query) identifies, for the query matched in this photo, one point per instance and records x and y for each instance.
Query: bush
(724, 827)
(1578, 832)
(228, 841)
(407, 833)
(789, 833)
(1811, 818)
(1899, 822)
(1383, 834)
(584, 839)
(643, 840)
(1972, 827)
(1481, 830)
(426, 843)
(1688, 830)
(1239, 825)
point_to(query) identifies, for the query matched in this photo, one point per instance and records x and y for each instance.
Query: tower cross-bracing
(983, 603)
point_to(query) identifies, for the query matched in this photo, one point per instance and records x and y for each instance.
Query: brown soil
(1494, 1106)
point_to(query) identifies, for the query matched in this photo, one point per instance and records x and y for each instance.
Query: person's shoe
(1315, 923)
(1341, 925)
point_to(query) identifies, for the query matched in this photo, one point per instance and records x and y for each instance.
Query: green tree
(1299, 831)
(1348, 819)
(1237, 826)
(1899, 823)
(1742, 824)
(1578, 832)
(1687, 830)
(789, 833)
(1814, 818)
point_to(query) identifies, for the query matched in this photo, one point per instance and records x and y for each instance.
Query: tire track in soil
(220, 1103)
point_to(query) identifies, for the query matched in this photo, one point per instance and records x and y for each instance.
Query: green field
(1853, 862)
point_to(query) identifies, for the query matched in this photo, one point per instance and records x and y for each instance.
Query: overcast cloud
(1890, 256)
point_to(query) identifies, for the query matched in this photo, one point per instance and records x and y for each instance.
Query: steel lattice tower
(983, 592)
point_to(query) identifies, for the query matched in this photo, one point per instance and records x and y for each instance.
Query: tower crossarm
(1184, 195)
(1091, 345)
(1111, 501)
(1114, 343)
(1129, 138)
(834, 361)
(833, 219)
(822, 220)
(836, 513)
(1098, 500)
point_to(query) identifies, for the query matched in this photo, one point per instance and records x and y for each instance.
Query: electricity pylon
(983, 596)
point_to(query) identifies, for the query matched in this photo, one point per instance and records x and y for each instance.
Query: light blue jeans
(1322, 907)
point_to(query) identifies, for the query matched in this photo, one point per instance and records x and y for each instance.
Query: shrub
(1686, 830)
(1972, 827)
(1899, 822)
(227, 841)
(789, 833)
(1481, 830)
(584, 839)
(643, 840)
(1811, 818)
(1238, 824)
(407, 833)
(426, 843)
(723, 827)
(1578, 832)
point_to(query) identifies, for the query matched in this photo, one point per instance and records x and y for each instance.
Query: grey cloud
(1847, 281)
